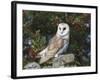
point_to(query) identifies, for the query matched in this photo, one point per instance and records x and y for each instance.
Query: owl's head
(63, 29)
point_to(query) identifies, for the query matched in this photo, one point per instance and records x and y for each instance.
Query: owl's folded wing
(53, 48)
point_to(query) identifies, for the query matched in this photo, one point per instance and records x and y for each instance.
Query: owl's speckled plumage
(57, 45)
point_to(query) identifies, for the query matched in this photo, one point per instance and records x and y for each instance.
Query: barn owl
(57, 45)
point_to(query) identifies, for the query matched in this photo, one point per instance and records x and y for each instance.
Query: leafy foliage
(38, 42)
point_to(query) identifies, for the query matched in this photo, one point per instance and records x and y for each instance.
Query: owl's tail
(44, 59)
(42, 55)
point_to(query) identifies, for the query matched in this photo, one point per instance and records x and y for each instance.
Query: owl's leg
(61, 50)
(43, 52)
(56, 55)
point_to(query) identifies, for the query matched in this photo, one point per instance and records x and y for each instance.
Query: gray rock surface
(68, 58)
(32, 65)
(63, 59)
(57, 62)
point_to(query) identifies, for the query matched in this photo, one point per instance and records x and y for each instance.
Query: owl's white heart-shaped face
(63, 29)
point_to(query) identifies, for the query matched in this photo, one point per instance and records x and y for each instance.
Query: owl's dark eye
(64, 28)
(60, 28)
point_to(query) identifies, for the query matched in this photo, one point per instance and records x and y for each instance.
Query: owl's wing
(53, 47)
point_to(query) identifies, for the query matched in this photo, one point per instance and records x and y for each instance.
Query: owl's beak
(61, 32)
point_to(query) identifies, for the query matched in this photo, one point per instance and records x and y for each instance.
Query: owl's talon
(56, 55)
